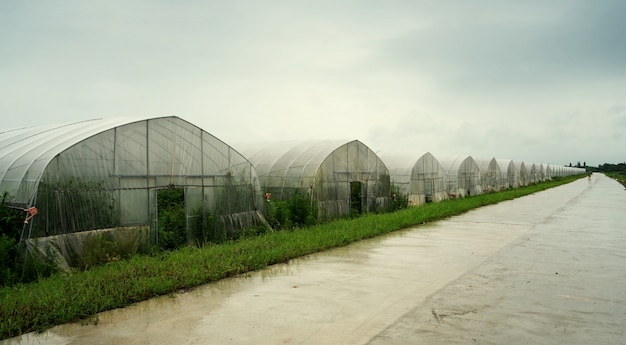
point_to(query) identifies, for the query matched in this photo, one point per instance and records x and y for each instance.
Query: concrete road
(548, 268)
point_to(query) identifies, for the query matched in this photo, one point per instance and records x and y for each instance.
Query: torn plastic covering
(89, 248)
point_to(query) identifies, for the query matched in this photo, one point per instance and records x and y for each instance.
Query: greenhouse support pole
(156, 195)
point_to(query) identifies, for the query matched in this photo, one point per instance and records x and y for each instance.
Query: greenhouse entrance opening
(428, 190)
(356, 197)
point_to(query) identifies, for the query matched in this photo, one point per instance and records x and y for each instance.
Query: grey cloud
(510, 45)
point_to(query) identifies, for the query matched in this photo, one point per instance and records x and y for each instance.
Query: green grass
(68, 297)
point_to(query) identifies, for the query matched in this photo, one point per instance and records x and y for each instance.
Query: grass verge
(68, 297)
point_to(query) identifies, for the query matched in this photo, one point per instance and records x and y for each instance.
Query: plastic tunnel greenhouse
(490, 174)
(420, 177)
(509, 173)
(340, 177)
(462, 176)
(524, 174)
(108, 174)
(549, 171)
(542, 172)
(536, 173)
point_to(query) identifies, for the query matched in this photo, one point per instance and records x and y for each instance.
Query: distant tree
(608, 167)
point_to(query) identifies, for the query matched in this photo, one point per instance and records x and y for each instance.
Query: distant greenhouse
(509, 173)
(462, 176)
(524, 174)
(535, 172)
(548, 171)
(420, 177)
(101, 174)
(490, 174)
(541, 173)
(340, 177)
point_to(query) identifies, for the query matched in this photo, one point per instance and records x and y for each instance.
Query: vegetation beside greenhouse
(70, 296)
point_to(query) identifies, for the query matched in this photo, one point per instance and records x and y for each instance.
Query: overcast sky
(538, 81)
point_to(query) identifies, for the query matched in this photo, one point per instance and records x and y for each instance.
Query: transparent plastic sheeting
(324, 171)
(89, 248)
(420, 177)
(106, 173)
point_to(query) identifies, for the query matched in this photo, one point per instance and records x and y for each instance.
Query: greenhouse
(490, 174)
(548, 171)
(540, 172)
(462, 176)
(509, 173)
(534, 175)
(559, 171)
(121, 174)
(339, 177)
(524, 174)
(419, 177)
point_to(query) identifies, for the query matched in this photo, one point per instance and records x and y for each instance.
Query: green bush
(172, 224)
(8, 264)
(34, 267)
(398, 200)
(11, 225)
(297, 211)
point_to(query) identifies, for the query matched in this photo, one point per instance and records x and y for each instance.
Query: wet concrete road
(546, 268)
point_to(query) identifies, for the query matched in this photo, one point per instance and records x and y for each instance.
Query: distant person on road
(589, 175)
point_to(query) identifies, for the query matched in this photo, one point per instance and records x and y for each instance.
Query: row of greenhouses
(100, 175)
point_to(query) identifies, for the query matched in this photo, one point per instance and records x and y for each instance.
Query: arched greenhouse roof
(296, 164)
(331, 172)
(487, 164)
(289, 159)
(400, 165)
(462, 175)
(26, 153)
